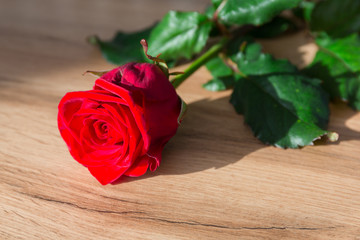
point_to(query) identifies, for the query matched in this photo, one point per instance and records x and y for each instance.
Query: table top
(213, 183)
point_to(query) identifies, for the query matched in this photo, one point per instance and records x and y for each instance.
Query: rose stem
(212, 52)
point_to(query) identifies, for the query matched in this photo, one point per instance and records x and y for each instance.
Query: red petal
(134, 109)
(139, 167)
(107, 174)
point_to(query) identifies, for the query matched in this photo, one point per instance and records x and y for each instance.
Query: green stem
(212, 52)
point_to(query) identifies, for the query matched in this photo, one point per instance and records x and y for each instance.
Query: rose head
(121, 126)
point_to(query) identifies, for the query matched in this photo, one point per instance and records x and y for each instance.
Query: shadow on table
(212, 135)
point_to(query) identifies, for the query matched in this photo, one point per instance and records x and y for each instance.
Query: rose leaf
(221, 83)
(217, 67)
(124, 47)
(285, 110)
(337, 18)
(250, 59)
(180, 34)
(304, 10)
(282, 107)
(275, 27)
(337, 64)
(254, 12)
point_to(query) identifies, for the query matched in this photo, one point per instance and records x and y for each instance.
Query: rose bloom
(121, 126)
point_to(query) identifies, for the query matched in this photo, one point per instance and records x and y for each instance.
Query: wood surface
(216, 180)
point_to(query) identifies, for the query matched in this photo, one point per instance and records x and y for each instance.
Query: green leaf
(224, 77)
(218, 68)
(277, 26)
(254, 12)
(216, 3)
(304, 10)
(346, 50)
(285, 110)
(336, 17)
(337, 64)
(180, 34)
(124, 47)
(221, 83)
(282, 107)
(209, 11)
(265, 64)
(251, 61)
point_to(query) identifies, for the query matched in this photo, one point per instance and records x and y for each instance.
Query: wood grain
(214, 182)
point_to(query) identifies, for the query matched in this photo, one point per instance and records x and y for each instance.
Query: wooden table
(216, 180)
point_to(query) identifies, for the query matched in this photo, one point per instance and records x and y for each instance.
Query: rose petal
(134, 109)
(107, 174)
(139, 167)
(121, 126)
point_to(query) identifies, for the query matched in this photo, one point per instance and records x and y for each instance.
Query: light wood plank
(214, 182)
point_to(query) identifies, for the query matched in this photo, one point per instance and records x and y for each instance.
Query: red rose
(121, 126)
